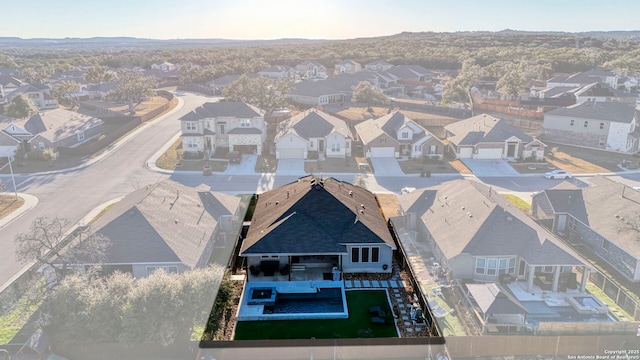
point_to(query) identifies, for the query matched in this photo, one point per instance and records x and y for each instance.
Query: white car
(406, 190)
(557, 174)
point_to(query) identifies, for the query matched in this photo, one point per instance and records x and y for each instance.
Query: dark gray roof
(313, 216)
(583, 78)
(465, 217)
(332, 86)
(8, 79)
(609, 111)
(483, 128)
(166, 222)
(600, 89)
(223, 109)
(103, 87)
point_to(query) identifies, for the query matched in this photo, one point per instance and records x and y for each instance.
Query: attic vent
(362, 206)
(509, 219)
(277, 202)
(350, 193)
(462, 208)
(176, 221)
(313, 181)
(617, 216)
(198, 204)
(361, 211)
(469, 215)
(287, 194)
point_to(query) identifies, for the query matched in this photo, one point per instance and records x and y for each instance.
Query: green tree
(37, 75)
(261, 92)
(133, 87)
(459, 88)
(512, 82)
(21, 107)
(368, 94)
(66, 92)
(98, 74)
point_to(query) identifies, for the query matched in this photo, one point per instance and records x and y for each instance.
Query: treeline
(561, 53)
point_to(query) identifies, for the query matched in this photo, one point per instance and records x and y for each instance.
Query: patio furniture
(269, 267)
(378, 311)
(254, 270)
(378, 320)
(285, 270)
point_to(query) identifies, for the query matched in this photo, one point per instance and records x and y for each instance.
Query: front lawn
(358, 325)
(417, 166)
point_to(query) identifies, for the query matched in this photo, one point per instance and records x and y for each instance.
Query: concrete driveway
(386, 167)
(489, 168)
(246, 167)
(290, 167)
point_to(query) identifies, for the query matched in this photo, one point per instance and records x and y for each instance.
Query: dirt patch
(418, 166)
(9, 204)
(388, 204)
(582, 160)
(361, 113)
(532, 168)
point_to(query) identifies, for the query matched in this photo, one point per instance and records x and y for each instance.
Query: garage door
(465, 153)
(383, 152)
(291, 154)
(489, 154)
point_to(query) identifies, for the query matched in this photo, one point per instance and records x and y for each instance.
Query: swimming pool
(326, 300)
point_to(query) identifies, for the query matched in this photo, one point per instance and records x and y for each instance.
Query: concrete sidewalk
(30, 202)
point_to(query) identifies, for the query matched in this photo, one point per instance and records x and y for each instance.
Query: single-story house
(54, 128)
(487, 137)
(313, 130)
(395, 135)
(315, 224)
(168, 226)
(598, 125)
(331, 91)
(236, 126)
(476, 235)
(610, 231)
(278, 72)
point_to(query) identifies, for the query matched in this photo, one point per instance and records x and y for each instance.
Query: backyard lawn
(358, 325)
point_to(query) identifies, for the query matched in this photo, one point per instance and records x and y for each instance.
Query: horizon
(286, 19)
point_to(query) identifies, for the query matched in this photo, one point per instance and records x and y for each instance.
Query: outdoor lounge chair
(378, 311)
(378, 320)
(254, 270)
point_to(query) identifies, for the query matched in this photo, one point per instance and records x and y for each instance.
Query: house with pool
(303, 237)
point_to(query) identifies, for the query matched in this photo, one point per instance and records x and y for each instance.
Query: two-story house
(313, 130)
(40, 97)
(235, 126)
(163, 66)
(395, 135)
(311, 70)
(378, 65)
(599, 125)
(347, 67)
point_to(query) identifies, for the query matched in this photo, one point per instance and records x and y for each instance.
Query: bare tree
(48, 243)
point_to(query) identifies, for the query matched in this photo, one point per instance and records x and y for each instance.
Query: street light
(8, 152)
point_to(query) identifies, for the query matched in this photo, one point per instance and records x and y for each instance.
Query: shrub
(35, 155)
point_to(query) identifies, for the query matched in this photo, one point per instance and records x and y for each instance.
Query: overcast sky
(319, 19)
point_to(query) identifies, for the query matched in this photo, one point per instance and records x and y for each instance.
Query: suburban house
(100, 91)
(278, 72)
(395, 135)
(599, 125)
(8, 84)
(41, 97)
(584, 78)
(168, 226)
(411, 73)
(378, 65)
(52, 129)
(317, 226)
(512, 268)
(601, 92)
(235, 126)
(311, 70)
(218, 84)
(487, 137)
(163, 66)
(610, 231)
(347, 67)
(313, 131)
(331, 91)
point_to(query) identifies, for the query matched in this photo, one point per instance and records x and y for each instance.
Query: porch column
(585, 278)
(556, 278)
(530, 278)
(289, 274)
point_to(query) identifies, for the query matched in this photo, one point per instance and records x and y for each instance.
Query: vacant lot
(580, 160)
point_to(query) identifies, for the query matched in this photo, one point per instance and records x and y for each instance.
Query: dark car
(235, 157)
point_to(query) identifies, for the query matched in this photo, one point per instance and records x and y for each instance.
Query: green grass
(518, 203)
(358, 325)
(450, 325)
(12, 322)
(597, 292)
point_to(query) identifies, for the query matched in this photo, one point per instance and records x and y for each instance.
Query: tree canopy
(66, 92)
(133, 87)
(260, 91)
(368, 94)
(21, 107)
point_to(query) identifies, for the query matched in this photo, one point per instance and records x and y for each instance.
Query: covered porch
(294, 268)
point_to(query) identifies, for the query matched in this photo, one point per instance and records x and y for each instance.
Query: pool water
(326, 300)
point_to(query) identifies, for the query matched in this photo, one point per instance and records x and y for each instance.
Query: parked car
(406, 190)
(235, 157)
(557, 174)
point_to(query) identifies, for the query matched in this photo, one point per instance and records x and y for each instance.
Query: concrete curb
(30, 202)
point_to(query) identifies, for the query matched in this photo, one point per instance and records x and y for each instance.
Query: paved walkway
(386, 167)
(490, 168)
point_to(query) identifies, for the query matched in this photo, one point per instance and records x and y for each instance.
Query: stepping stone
(375, 284)
(366, 283)
(348, 284)
(407, 323)
(384, 283)
(409, 329)
(393, 283)
(396, 291)
(403, 284)
(405, 318)
(403, 312)
(356, 283)
(401, 305)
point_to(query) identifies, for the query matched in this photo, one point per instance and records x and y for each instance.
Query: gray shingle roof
(314, 124)
(223, 109)
(609, 111)
(390, 124)
(320, 217)
(483, 128)
(495, 228)
(165, 222)
(244, 130)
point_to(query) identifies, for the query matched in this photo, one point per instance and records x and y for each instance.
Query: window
(41, 145)
(572, 122)
(310, 142)
(335, 147)
(355, 255)
(503, 266)
(365, 254)
(548, 269)
(433, 149)
(480, 264)
(81, 136)
(191, 143)
(375, 254)
(602, 140)
(245, 123)
(405, 134)
(150, 270)
(512, 265)
(347, 144)
(492, 265)
(601, 125)
(191, 126)
(221, 128)
(416, 148)
(586, 123)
